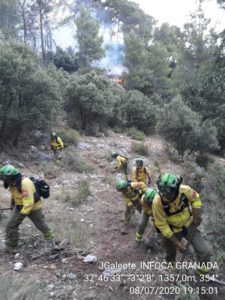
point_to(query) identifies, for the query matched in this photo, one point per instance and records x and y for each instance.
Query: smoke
(113, 41)
(110, 30)
(114, 58)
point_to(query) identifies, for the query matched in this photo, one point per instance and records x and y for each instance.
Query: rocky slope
(117, 269)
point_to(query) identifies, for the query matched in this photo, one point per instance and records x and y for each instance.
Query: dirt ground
(120, 271)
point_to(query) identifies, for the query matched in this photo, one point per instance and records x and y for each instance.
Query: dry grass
(15, 287)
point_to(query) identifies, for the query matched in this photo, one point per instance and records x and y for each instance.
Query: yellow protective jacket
(121, 162)
(26, 197)
(145, 207)
(57, 143)
(141, 174)
(180, 215)
(134, 192)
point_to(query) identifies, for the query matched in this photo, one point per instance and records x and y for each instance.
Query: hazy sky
(176, 12)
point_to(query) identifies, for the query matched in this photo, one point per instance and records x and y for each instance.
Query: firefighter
(121, 163)
(56, 144)
(141, 173)
(177, 212)
(132, 192)
(146, 203)
(22, 191)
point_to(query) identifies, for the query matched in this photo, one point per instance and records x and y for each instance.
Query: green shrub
(203, 159)
(172, 153)
(76, 195)
(73, 162)
(193, 175)
(140, 148)
(83, 193)
(136, 134)
(76, 232)
(69, 137)
(214, 181)
(50, 170)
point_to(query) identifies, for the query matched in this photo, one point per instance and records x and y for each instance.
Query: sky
(176, 12)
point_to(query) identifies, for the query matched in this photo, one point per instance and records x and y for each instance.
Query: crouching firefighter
(146, 204)
(132, 192)
(57, 145)
(177, 214)
(23, 205)
(121, 163)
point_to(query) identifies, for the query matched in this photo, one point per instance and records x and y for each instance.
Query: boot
(51, 244)
(124, 229)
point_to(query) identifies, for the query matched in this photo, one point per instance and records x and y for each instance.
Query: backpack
(42, 189)
(144, 172)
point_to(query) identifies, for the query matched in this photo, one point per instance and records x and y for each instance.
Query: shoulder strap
(183, 200)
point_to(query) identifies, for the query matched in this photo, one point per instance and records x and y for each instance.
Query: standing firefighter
(140, 172)
(122, 163)
(132, 192)
(23, 205)
(146, 203)
(177, 214)
(56, 144)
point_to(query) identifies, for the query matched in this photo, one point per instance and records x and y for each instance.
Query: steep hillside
(92, 227)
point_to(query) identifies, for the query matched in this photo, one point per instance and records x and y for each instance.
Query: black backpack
(42, 189)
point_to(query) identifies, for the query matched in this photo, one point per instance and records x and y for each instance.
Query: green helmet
(168, 182)
(114, 154)
(139, 162)
(8, 170)
(149, 196)
(121, 184)
(53, 135)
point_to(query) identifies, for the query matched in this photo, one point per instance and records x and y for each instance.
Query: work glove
(197, 216)
(178, 244)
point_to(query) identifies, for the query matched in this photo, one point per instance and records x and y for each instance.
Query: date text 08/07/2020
(173, 290)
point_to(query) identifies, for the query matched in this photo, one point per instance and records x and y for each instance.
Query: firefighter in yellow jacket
(56, 144)
(23, 205)
(121, 163)
(146, 203)
(177, 214)
(141, 173)
(132, 192)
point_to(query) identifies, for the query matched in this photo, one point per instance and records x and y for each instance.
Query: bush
(73, 162)
(203, 159)
(29, 96)
(136, 134)
(193, 174)
(214, 181)
(83, 193)
(184, 129)
(140, 148)
(69, 137)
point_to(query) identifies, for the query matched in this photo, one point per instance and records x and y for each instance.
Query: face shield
(168, 193)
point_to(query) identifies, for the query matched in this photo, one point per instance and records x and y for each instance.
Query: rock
(50, 287)
(84, 146)
(109, 272)
(90, 259)
(18, 266)
(71, 276)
